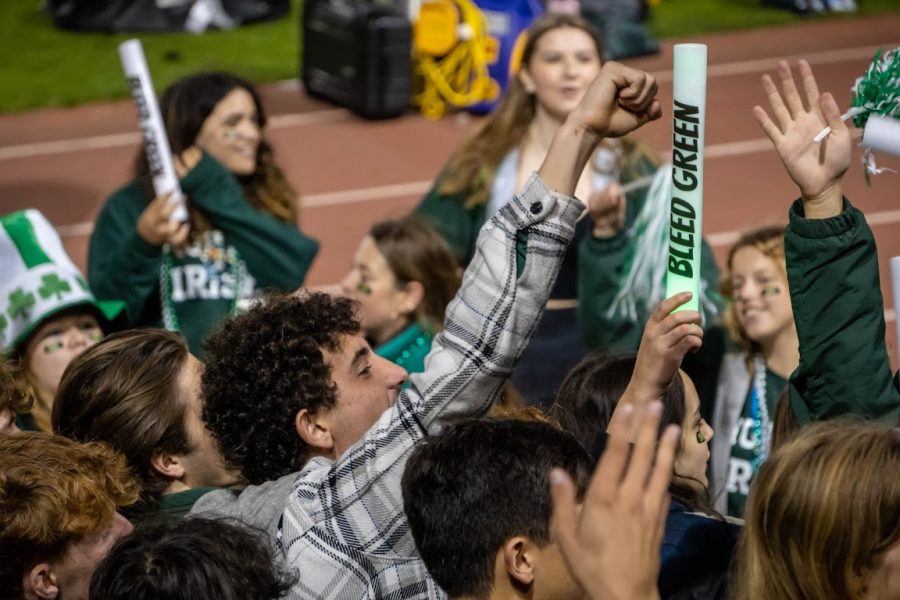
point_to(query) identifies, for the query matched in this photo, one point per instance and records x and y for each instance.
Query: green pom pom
(878, 91)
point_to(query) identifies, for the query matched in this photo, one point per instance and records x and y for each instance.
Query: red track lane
(328, 153)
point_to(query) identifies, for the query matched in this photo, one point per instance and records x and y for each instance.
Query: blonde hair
(822, 512)
(770, 242)
(472, 167)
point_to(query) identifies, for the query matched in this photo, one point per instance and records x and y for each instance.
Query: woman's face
(231, 133)
(695, 437)
(386, 307)
(563, 65)
(53, 346)
(762, 301)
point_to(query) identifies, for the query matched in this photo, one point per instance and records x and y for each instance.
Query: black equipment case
(357, 55)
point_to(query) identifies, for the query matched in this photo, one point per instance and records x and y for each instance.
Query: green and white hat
(38, 279)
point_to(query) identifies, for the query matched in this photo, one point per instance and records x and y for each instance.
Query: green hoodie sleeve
(832, 269)
(458, 225)
(121, 265)
(277, 254)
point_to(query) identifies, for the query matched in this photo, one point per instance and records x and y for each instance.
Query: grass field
(42, 66)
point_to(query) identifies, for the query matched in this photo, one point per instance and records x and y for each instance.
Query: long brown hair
(416, 252)
(472, 167)
(822, 512)
(187, 103)
(124, 391)
(769, 241)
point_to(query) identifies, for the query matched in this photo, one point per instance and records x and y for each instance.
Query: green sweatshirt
(844, 369)
(832, 267)
(245, 248)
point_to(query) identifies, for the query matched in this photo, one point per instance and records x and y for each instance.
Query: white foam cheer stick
(156, 144)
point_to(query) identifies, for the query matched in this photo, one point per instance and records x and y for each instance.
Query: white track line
(743, 67)
(117, 140)
(340, 114)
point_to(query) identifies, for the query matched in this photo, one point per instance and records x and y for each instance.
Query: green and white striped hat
(38, 279)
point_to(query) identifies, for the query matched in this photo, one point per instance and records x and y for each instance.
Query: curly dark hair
(191, 558)
(262, 368)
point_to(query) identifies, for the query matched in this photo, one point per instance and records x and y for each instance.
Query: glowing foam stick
(156, 144)
(686, 207)
(895, 282)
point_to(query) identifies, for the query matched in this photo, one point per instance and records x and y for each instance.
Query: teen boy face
(367, 385)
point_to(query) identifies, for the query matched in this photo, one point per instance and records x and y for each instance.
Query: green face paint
(96, 336)
(363, 288)
(771, 290)
(701, 439)
(52, 347)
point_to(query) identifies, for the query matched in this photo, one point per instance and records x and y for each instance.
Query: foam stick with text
(686, 208)
(156, 144)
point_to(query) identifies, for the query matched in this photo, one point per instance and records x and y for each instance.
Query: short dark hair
(468, 490)
(191, 558)
(262, 368)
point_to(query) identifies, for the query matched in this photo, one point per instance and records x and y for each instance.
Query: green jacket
(832, 269)
(202, 280)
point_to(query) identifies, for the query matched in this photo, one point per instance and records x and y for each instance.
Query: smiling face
(385, 307)
(231, 133)
(367, 385)
(564, 63)
(761, 299)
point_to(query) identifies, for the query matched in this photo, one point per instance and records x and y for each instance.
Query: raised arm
(832, 264)
(668, 337)
(497, 309)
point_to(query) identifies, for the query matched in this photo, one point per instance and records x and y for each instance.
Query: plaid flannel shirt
(344, 529)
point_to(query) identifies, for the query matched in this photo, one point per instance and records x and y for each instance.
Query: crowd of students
(204, 426)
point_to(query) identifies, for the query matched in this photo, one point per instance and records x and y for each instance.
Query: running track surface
(351, 173)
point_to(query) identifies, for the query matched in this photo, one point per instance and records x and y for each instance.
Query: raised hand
(619, 101)
(816, 168)
(667, 338)
(612, 544)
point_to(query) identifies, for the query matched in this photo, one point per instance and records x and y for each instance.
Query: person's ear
(519, 560)
(314, 429)
(168, 465)
(40, 582)
(526, 80)
(413, 296)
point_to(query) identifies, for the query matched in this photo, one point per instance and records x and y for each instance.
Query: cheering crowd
(465, 415)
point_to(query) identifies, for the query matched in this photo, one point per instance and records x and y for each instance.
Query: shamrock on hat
(39, 280)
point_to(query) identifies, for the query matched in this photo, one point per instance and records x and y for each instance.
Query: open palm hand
(816, 168)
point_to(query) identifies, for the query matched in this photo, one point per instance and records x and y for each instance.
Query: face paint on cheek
(363, 288)
(95, 336)
(230, 134)
(771, 290)
(52, 347)
(701, 439)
